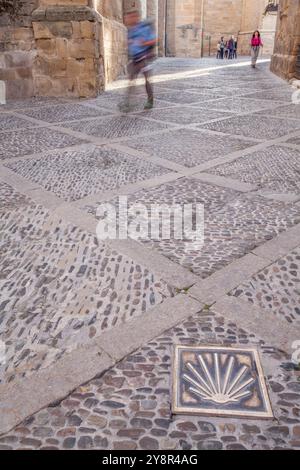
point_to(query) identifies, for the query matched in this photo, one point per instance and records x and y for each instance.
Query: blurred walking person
(141, 50)
(256, 44)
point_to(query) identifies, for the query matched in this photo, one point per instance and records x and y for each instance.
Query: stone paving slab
(278, 95)
(256, 126)
(290, 111)
(116, 127)
(30, 103)
(188, 147)
(9, 122)
(63, 290)
(237, 104)
(294, 141)
(11, 199)
(184, 115)
(188, 98)
(26, 142)
(74, 174)
(273, 169)
(234, 223)
(129, 406)
(64, 112)
(276, 288)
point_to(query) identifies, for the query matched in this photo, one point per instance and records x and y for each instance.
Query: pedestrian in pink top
(256, 44)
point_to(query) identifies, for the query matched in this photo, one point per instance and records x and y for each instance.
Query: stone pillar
(67, 36)
(287, 39)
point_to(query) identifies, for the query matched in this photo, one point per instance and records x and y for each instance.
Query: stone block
(19, 89)
(18, 59)
(62, 48)
(46, 46)
(87, 29)
(82, 49)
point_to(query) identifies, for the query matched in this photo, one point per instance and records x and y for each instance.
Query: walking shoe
(149, 104)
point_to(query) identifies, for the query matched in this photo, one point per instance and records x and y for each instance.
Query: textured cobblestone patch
(64, 112)
(290, 111)
(234, 224)
(21, 143)
(188, 147)
(278, 95)
(254, 126)
(9, 122)
(74, 174)
(294, 141)
(62, 289)
(129, 406)
(11, 199)
(37, 101)
(276, 288)
(188, 98)
(236, 104)
(184, 115)
(116, 127)
(276, 168)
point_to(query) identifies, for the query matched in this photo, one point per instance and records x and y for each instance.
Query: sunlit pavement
(73, 307)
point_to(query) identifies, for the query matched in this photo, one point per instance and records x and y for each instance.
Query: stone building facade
(287, 41)
(193, 27)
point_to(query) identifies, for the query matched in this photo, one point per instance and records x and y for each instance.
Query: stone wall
(17, 51)
(62, 48)
(287, 39)
(194, 27)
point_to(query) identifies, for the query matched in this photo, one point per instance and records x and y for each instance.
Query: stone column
(287, 39)
(68, 37)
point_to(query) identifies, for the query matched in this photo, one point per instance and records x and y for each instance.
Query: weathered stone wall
(68, 61)
(17, 51)
(194, 27)
(114, 49)
(62, 47)
(287, 39)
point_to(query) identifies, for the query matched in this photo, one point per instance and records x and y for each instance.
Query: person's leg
(253, 61)
(149, 89)
(131, 71)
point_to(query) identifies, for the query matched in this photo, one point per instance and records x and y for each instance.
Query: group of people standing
(227, 49)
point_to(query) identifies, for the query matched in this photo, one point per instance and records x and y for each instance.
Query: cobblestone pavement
(234, 148)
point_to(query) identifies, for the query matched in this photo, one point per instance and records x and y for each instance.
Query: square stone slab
(274, 170)
(276, 288)
(30, 141)
(116, 127)
(64, 112)
(9, 122)
(254, 126)
(185, 115)
(219, 381)
(236, 104)
(187, 98)
(188, 147)
(290, 111)
(74, 174)
(276, 94)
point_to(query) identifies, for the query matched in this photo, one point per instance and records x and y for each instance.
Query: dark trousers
(134, 69)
